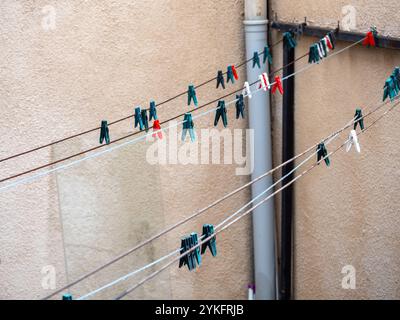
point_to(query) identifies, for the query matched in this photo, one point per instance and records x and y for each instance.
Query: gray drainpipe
(256, 26)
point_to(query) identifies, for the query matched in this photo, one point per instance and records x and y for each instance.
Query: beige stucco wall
(101, 60)
(98, 63)
(347, 214)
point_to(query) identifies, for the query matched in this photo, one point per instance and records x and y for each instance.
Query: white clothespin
(353, 140)
(265, 85)
(246, 91)
(320, 50)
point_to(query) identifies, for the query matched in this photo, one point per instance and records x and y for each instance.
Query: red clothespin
(235, 74)
(277, 85)
(328, 42)
(370, 38)
(157, 129)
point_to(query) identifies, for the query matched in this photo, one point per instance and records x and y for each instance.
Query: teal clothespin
(323, 154)
(145, 119)
(220, 80)
(313, 55)
(289, 40)
(191, 258)
(221, 113)
(229, 75)
(192, 95)
(153, 111)
(267, 55)
(396, 78)
(196, 252)
(188, 125)
(67, 296)
(256, 60)
(185, 246)
(138, 119)
(359, 119)
(104, 132)
(239, 106)
(391, 88)
(208, 231)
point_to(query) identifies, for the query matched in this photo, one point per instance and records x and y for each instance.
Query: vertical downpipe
(287, 194)
(256, 26)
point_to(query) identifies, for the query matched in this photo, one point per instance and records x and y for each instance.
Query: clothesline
(196, 214)
(95, 155)
(202, 241)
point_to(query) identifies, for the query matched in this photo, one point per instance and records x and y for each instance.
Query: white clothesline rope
(327, 141)
(244, 214)
(110, 149)
(202, 210)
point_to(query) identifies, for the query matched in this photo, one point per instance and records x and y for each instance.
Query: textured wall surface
(347, 214)
(101, 60)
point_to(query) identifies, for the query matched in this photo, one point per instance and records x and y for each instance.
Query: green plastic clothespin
(220, 80)
(359, 119)
(256, 60)
(67, 296)
(221, 113)
(208, 231)
(267, 55)
(104, 132)
(153, 111)
(145, 119)
(289, 40)
(392, 85)
(229, 75)
(192, 95)
(188, 125)
(239, 106)
(313, 55)
(323, 154)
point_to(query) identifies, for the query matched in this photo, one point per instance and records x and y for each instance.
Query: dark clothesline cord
(125, 118)
(138, 132)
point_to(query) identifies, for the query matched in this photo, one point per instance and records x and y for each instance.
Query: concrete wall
(347, 214)
(101, 60)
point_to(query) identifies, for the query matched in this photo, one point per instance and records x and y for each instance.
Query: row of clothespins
(193, 258)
